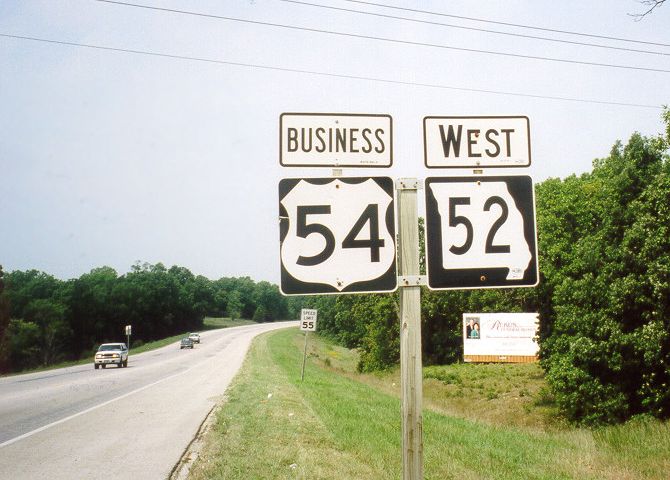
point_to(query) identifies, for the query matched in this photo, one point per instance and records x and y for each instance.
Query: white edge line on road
(103, 404)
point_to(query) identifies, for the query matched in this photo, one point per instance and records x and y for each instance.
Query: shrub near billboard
(500, 337)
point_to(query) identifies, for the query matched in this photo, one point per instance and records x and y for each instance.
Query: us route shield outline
(347, 197)
(443, 275)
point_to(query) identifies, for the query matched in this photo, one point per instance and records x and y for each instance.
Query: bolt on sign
(476, 142)
(480, 232)
(337, 235)
(335, 140)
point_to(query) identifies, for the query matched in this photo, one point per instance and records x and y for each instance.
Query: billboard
(500, 337)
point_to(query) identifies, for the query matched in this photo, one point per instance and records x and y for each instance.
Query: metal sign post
(304, 359)
(128, 331)
(307, 324)
(411, 376)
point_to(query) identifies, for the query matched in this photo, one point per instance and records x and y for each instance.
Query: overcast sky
(110, 157)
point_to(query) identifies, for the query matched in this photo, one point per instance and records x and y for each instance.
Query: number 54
(303, 230)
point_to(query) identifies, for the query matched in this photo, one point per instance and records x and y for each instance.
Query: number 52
(455, 220)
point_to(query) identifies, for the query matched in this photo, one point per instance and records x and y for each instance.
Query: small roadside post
(307, 324)
(129, 329)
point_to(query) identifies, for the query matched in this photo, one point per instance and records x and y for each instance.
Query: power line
(518, 25)
(385, 39)
(325, 74)
(462, 27)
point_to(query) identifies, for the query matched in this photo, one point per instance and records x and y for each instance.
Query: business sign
(480, 232)
(476, 142)
(335, 140)
(508, 335)
(308, 319)
(337, 235)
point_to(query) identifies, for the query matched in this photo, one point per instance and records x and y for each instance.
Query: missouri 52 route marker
(480, 232)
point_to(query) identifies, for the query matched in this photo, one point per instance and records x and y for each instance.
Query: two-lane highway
(78, 422)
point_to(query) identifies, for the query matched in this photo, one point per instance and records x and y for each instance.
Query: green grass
(341, 425)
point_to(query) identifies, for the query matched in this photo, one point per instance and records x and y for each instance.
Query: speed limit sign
(337, 235)
(480, 232)
(308, 319)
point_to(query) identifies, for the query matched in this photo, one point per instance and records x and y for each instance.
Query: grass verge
(341, 425)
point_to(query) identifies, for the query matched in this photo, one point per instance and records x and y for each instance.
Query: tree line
(44, 320)
(603, 296)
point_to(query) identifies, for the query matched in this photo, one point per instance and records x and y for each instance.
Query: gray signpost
(411, 376)
(307, 324)
(129, 330)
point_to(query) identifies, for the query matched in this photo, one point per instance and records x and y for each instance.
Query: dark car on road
(186, 343)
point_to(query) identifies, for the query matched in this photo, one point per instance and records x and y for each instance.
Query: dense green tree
(24, 345)
(235, 305)
(94, 309)
(53, 330)
(24, 287)
(270, 304)
(605, 353)
(54, 319)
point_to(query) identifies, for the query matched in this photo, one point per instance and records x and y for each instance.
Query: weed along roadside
(340, 424)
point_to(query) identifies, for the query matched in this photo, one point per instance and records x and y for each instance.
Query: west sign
(476, 142)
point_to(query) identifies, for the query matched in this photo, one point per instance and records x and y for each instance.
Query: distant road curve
(132, 422)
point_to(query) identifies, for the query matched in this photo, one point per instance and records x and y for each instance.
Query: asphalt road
(132, 422)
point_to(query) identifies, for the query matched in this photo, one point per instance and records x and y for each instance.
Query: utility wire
(462, 27)
(325, 74)
(384, 39)
(518, 25)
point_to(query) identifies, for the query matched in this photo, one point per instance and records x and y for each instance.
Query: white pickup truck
(111, 353)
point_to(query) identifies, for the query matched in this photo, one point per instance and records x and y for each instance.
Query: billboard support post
(411, 376)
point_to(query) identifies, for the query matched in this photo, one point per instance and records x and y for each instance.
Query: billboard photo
(500, 337)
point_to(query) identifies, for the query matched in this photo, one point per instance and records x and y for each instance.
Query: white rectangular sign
(335, 140)
(500, 334)
(308, 320)
(476, 142)
(128, 329)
